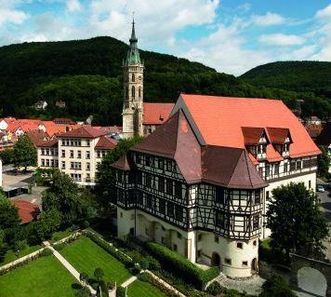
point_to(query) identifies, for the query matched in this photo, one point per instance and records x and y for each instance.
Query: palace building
(201, 182)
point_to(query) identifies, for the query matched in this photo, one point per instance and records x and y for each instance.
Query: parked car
(320, 188)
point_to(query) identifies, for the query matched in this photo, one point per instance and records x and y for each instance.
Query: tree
(323, 162)
(83, 277)
(25, 154)
(295, 220)
(98, 273)
(75, 204)
(105, 172)
(8, 214)
(276, 286)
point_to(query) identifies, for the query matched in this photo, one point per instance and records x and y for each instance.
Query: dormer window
(261, 149)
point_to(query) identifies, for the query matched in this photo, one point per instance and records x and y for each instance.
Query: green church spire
(133, 57)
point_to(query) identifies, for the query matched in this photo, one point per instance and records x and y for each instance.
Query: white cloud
(281, 39)
(269, 19)
(73, 5)
(324, 13)
(8, 15)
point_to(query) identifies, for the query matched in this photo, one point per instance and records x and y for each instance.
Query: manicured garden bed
(12, 256)
(139, 288)
(44, 276)
(86, 256)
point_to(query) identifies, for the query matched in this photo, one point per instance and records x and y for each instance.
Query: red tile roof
(278, 135)
(156, 113)
(220, 121)
(84, 132)
(106, 143)
(49, 143)
(252, 135)
(37, 136)
(27, 211)
(229, 167)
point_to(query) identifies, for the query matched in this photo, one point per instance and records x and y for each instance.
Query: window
(133, 79)
(276, 169)
(179, 236)
(285, 168)
(309, 184)
(148, 180)
(71, 153)
(267, 170)
(178, 190)
(292, 166)
(139, 92)
(98, 154)
(267, 195)
(257, 197)
(88, 166)
(175, 247)
(87, 155)
(79, 154)
(220, 219)
(216, 239)
(179, 213)
(149, 201)
(256, 220)
(244, 263)
(199, 253)
(200, 237)
(254, 242)
(42, 162)
(170, 209)
(133, 92)
(169, 165)
(161, 164)
(228, 261)
(161, 184)
(239, 245)
(63, 165)
(169, 187)
(162, 206)
(219, 195)
(299, 165)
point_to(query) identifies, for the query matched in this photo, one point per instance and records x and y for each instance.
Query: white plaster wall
(125, 221)
(227, 249)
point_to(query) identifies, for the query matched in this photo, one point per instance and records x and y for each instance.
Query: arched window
(133, 77)
(139, 92)
(133, 92)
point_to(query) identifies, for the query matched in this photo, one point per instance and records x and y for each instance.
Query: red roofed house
(27, 211)
(201, 183)
(76, 152)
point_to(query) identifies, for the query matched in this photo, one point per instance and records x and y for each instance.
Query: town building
(77, 152)
(201, 182)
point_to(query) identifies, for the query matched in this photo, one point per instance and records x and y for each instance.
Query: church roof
(156, 113)
(133, 56)
(219, 121)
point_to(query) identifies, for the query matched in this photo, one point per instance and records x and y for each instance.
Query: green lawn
(11, 255)
(60, 235)
(85, 256)
(144, 289)
(42, 277)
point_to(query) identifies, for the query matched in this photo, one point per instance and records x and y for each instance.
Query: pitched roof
(84, 132)
(27, 211)
(37, 136)
(278, 135)
(223, 166)
(219, 120)
(156, 113)
(49, 143)
(252, 135)
(106, 143)
(122, 163)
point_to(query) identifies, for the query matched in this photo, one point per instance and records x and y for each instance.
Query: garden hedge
(181, 266)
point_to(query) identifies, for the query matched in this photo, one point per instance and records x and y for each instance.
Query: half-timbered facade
(201, 182)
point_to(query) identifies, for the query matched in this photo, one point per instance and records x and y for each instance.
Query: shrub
(121, 292)
(145, 277)
(183, 268)
(215, 288)
(135, 269)
(59, 246)
(276, 286)
(46, 252)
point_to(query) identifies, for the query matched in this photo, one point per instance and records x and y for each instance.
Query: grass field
(85, 256)
(144, 289)
(11, 255)
(42, 277)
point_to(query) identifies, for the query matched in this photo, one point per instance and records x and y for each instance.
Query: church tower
(133, 70)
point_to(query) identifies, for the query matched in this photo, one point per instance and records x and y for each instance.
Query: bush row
(145, 277)
(42, 253)
(183, 268)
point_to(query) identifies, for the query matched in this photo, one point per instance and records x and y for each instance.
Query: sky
(231, 36)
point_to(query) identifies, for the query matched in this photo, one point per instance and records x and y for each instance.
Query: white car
(320, 188)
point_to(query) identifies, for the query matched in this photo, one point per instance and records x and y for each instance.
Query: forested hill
(87, 75)
(305, 76)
